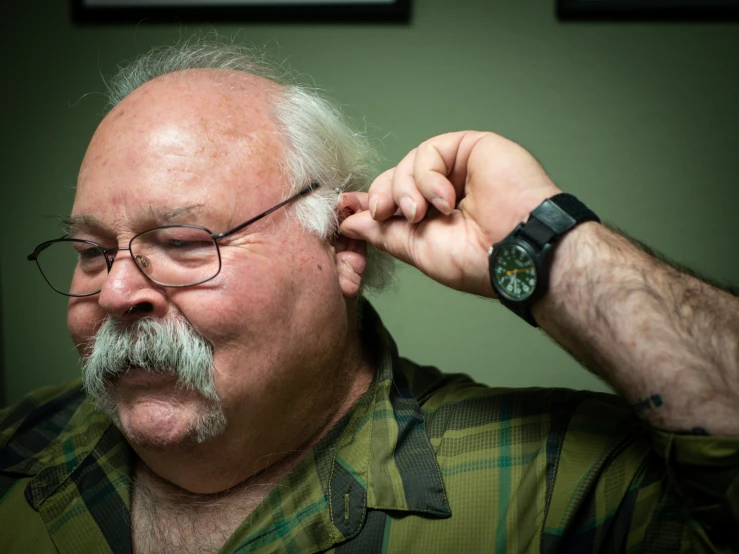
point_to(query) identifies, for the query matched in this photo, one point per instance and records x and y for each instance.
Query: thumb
(391, 235)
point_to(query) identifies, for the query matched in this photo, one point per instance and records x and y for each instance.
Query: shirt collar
(401, 472)
(89, 439)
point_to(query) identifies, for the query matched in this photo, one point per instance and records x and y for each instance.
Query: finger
(405, 193)
(440, 168)
(395, 192)
(380, 198)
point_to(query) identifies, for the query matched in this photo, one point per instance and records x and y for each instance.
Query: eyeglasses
(170, 256)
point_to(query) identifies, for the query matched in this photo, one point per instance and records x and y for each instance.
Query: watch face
(514, 272)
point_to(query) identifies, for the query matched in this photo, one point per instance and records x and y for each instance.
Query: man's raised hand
(443, 206)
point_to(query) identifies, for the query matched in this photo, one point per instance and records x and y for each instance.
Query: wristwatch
(520, 263)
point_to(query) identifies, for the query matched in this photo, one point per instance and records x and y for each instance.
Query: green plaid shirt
(424, 463)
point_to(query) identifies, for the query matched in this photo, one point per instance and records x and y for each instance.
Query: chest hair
(166, 521)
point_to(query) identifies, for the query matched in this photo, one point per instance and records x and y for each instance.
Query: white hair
(320, 145)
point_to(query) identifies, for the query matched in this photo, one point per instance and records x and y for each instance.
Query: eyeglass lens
(172, 256)
(176, 256)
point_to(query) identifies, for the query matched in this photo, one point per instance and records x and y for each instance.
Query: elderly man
(242, 397)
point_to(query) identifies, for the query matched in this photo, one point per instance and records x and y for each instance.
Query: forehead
(195, 138)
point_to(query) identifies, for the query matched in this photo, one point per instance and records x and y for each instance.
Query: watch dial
(514, 272)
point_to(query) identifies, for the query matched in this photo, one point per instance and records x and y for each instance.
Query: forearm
(668, 342)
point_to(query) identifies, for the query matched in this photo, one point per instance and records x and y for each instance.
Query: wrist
(575, 260)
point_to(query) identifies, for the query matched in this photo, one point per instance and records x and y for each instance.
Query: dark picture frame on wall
(240, 11)
(683, 10)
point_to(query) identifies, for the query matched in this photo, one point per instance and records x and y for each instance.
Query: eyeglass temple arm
(310, 188)
(41, 247)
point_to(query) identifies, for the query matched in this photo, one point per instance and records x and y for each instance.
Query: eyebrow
(153, 216)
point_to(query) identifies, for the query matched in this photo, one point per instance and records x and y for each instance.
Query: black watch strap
(554, 217)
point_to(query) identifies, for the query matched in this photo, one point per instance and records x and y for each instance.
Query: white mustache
(171, 346)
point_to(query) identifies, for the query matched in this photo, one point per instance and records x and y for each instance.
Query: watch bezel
(535, 256)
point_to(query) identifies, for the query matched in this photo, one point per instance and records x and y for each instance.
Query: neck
(249, 493)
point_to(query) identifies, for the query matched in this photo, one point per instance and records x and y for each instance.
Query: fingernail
(373, 207)
(441, 205)
(408, 206)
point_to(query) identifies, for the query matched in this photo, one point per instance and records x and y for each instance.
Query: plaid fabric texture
(424, 463)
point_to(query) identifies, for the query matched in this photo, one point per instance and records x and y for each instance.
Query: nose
(127, 293)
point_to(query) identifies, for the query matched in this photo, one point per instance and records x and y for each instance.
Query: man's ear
(351, 257)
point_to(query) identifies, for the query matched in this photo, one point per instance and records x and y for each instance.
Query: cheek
(84, 317)
(262, 306)
(245, 301)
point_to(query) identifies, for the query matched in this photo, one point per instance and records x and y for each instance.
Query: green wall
(639, 120)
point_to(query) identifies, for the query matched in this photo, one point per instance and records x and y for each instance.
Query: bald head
(202, 125)
(244, 104)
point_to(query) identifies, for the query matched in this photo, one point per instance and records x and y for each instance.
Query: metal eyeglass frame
(106, 252)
